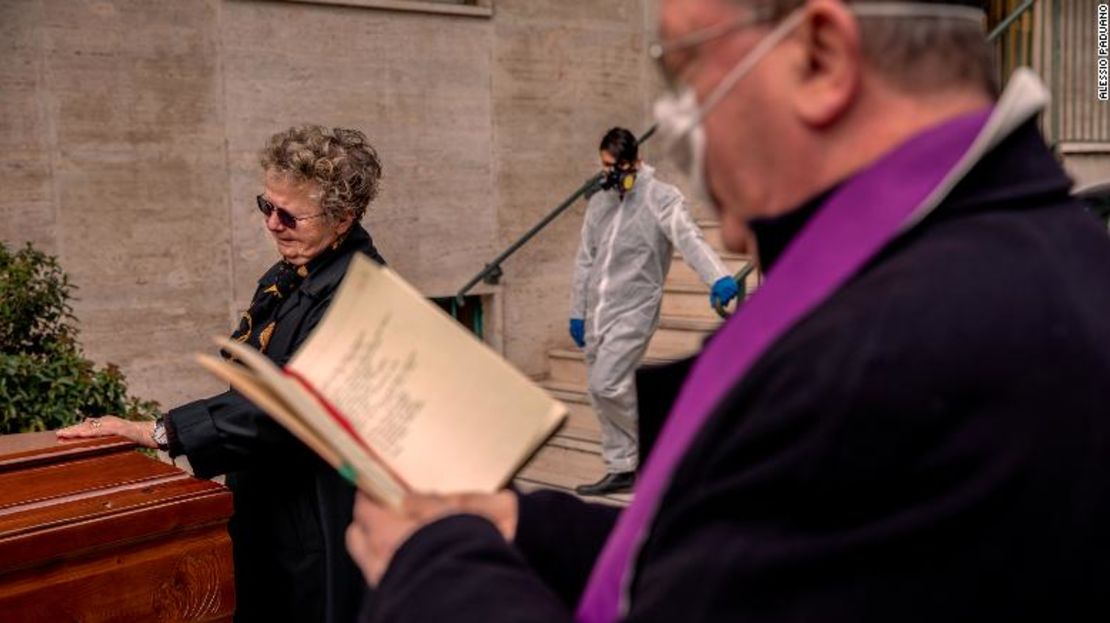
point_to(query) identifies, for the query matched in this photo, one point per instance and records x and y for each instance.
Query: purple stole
(867, 212)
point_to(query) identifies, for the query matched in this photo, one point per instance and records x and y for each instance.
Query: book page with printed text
(439, 407)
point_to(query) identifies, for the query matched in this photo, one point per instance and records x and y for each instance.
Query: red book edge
(346, 425)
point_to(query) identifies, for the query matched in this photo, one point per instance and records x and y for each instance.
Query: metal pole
(492, 272)
(1010, 19)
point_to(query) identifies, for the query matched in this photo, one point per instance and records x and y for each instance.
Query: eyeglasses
(284, 217)
(659, 50)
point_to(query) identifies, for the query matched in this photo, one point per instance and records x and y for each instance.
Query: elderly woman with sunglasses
(291, 510)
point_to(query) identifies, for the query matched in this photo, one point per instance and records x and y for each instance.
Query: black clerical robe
(932, 443)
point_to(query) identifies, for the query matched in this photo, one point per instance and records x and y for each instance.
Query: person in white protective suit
(628, 237)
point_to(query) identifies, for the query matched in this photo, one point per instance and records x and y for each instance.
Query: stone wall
(113, 136)
(129, 131)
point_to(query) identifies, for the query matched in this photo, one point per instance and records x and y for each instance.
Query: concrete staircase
(573, 456)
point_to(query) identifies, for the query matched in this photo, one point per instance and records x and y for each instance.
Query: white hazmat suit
(622, 261)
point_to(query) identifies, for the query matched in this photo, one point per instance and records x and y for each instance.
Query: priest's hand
(141, 433)
(377, 531)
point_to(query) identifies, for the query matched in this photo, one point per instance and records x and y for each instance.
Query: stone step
(569, 366)
(565, 462)
(559, 389)
(680, 336)
(683, 273)
(692, 301)
(687, 301)
(618, 499)
(581, 421)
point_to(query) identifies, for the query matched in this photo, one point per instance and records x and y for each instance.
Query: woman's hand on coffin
(107, 425)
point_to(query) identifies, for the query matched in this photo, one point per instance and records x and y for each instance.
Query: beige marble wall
(113, 129)
(27, 209)
(129, 131)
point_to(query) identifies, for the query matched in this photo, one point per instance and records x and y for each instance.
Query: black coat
(291, 509)
(931, 444)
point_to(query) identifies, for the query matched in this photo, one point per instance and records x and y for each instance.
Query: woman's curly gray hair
(340, 162)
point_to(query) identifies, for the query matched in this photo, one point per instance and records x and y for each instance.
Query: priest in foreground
(909, 421)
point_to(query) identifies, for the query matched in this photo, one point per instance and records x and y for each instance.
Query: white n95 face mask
(678, 117)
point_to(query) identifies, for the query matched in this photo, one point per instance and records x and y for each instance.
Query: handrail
(1005, 24)
(491, 273)
(741, 279)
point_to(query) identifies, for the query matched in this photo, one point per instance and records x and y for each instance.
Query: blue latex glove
(578, 331)
(724, 290)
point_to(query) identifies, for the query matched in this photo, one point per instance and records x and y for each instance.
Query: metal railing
(1012, 34)
(492, 272)
(1076, 115)
(1056, 38)
(1008, 20)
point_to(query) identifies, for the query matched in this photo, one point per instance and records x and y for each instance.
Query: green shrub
(45, 380)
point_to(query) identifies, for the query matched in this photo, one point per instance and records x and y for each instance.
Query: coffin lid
(65, 499)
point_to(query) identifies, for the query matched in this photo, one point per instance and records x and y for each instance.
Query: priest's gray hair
(918, 54)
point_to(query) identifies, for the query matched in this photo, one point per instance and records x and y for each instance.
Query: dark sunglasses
(285, 218)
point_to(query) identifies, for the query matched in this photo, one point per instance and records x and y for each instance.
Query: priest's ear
(828, 62)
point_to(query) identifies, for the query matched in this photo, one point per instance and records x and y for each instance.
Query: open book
(395, 394)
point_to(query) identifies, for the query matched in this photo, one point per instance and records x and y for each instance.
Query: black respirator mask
(620, 180)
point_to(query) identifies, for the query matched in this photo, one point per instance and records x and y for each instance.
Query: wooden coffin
(91, 530)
